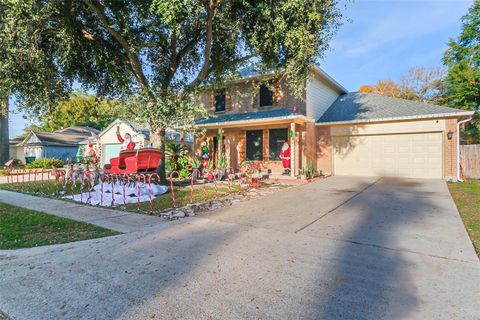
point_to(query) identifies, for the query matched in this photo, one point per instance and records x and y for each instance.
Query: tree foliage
(83, 110)
(421, 84)
(159, 51)
(462, 60)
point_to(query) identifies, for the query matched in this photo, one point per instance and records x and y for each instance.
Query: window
(220, 100)
(254, 147)
(266, 96)
(276, 138)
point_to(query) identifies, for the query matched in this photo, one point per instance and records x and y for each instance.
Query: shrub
(45, 163)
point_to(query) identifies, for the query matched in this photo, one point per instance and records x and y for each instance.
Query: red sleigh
(133, 161)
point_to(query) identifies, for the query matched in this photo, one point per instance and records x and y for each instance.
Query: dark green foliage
(45, 163)
(463, 75)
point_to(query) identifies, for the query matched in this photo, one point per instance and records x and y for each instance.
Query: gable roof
(68, 137)
(241, 117)
(138, 128)
(368, 107)
(250, 73)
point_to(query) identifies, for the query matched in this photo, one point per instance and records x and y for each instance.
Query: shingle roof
(65, 137)
(247, 116)
(356, 106)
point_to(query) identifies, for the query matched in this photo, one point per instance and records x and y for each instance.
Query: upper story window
(265, 96)
(220, 100)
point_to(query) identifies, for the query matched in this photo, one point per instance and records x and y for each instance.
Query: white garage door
(416, 155)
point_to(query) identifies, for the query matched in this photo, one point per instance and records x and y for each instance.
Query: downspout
(458, 147)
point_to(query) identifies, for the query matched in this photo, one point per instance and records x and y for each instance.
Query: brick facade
(324, 150)
(242, 97)
(450, 150)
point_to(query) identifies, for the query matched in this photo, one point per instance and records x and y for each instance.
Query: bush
(45, 163)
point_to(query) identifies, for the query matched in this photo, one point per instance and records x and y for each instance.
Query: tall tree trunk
(158, 141)
(4, 145)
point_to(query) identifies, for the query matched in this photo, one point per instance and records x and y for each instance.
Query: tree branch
(135, 63)
(207, 51)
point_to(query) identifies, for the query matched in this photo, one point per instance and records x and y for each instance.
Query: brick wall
(242, 97)
(265, 145)
(324, 149)
(450, 150)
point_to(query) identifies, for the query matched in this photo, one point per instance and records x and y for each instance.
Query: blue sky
(382, 41)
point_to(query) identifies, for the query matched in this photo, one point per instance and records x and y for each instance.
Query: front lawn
(23, 228)
(467, 199)
(160, 203)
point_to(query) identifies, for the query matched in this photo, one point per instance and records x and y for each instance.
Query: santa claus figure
(126, 141)
(285, 156)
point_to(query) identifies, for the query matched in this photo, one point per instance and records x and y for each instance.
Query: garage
(413, 155)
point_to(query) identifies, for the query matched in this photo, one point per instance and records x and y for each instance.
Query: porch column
(220, 144)
(292, 148)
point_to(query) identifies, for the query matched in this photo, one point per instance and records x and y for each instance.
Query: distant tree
(462, 60)
(383, 88)
(28, 129)
(83, 110)
(424, 84)
(421, 84)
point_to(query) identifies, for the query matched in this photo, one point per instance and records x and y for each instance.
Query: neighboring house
(16, 149)
(62, 144)
(336, 131)
(110, 146)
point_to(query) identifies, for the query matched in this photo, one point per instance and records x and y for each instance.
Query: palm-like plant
(174, 152)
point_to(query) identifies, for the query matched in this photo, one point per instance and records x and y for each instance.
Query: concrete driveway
(342, 248)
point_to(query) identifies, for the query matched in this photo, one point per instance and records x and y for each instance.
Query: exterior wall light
(450, 135)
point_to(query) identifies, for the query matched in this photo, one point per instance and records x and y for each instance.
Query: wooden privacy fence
(470, 155)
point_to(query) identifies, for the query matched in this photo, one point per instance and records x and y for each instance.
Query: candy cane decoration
(204, 188)
(194, 174)
(112, 177)
(173, 191)
(102, 180)
(73, 183)
(48, 182)
(215, 172)
(29, 182)
(89, 200)
(124, 195)
(43, 185)
(231, 172)
(150, 188)
(140, 176)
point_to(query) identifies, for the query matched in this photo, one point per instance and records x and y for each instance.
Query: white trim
(328, 77)
(428, 116)
(253, 121)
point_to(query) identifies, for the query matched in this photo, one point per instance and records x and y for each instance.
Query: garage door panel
(403, 155)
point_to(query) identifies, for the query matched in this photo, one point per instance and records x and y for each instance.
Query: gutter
(429, 116)
(229, 123)
(458, 146)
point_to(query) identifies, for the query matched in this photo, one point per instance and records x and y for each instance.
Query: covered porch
(258, 140)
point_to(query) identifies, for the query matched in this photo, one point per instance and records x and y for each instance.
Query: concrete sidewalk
(118, 220)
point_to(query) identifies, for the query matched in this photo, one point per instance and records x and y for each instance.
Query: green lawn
(467, 199)
(182, 197)
(23, 228)
(161, 203)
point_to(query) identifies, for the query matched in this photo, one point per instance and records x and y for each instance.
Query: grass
(182, 197)
(23, 228)
(160, 203)
(467, 199)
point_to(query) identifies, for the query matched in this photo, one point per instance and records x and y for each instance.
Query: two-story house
(336, 131)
